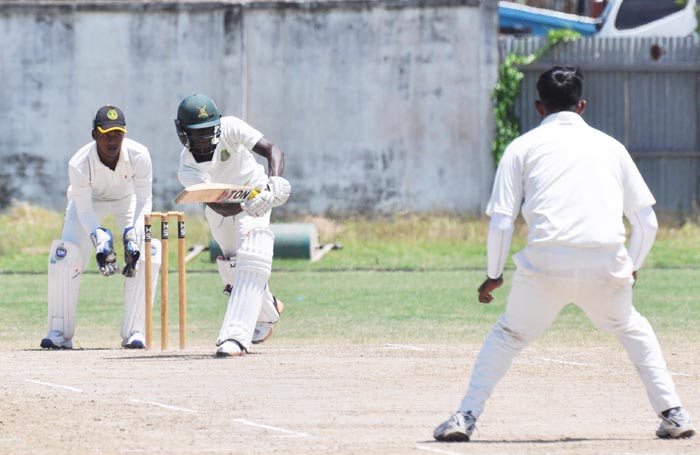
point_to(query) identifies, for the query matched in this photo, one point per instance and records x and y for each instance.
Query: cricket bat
(215, 192)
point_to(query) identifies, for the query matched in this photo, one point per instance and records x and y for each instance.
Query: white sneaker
(675, 424)
(263, 330)
(459, 427)
(135, 341)
(230, 348)
(55, 340)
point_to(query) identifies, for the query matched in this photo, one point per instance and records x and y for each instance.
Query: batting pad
(65, 267)
(134, 319)
(253, 268)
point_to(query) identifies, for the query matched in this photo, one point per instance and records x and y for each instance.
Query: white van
(619, 18)
(649, 18)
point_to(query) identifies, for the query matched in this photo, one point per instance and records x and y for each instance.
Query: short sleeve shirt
(572, 182)
(233, 162)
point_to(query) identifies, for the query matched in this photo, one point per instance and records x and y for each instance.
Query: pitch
(345, 399)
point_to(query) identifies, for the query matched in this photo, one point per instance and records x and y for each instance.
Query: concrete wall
(380, 106)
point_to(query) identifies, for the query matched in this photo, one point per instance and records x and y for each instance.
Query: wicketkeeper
(110, 176)
(219, 150)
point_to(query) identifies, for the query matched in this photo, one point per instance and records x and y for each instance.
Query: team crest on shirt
(225, 155)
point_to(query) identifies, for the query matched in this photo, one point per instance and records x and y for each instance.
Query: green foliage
(507, 90)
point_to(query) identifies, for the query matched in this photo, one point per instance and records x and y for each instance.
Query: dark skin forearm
(275, 167)
(273, 155)
(225, 208)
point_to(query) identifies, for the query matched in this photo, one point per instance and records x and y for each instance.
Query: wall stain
(19, 171)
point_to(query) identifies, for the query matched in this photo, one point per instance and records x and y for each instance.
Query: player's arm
(498, 243)
(503, 208)
(81, 194)
(273, 155)
(278, 189)
(143, 189)
(644, 227)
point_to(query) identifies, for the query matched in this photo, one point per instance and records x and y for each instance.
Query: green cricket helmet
(198, 126)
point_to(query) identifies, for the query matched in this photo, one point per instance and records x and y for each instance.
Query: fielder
(110, 176)
(218, 150)
(573, 185)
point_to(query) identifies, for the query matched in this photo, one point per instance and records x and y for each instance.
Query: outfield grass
(405, 279)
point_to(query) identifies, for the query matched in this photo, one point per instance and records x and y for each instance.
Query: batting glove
(280, 189)
(132, 252)
(106, 256)
(259, 205)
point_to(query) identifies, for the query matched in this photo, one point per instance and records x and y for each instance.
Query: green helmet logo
(203, 112)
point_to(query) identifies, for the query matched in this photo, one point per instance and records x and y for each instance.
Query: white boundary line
(58, 386)
(166, 406)
(430, 449)
(403, 346)
(269, 427)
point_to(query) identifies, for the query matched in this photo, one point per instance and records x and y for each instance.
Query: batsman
(112, 175)
(219, 150)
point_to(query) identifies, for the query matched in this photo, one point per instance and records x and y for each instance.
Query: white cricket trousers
(599, 281)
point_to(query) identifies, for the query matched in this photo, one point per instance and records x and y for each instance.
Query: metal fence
(645, 92)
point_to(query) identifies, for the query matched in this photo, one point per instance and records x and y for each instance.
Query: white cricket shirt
(573, 181)
(91, 180)
(233, 162)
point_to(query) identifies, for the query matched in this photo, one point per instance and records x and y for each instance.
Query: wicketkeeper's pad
(65, 268)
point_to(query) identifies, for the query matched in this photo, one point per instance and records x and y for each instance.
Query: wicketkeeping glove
(260, 204)
(132, 252)
(280, 188)
(106, 257)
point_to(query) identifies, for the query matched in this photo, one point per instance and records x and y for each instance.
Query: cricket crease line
(682, 374)
(166, 406)
(404, 346)
(564, 362)
(430, 449)
(269, 427)
(58, 386)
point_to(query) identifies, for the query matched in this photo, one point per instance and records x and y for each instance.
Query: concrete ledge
(54, 6)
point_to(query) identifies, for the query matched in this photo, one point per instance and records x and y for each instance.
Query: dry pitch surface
(329, 399)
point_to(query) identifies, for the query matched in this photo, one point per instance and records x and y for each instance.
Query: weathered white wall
(380, 106)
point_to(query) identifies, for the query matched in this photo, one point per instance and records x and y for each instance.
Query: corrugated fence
(645, 92)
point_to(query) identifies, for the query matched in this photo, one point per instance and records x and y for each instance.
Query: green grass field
(402, 279)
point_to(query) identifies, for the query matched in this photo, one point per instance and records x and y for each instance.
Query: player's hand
(105, 255)
(132, 252)
(225, 208)
(487, 287)
(260, 204)
(280, 188)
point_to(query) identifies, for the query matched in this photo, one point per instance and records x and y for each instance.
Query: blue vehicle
(620, 18)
